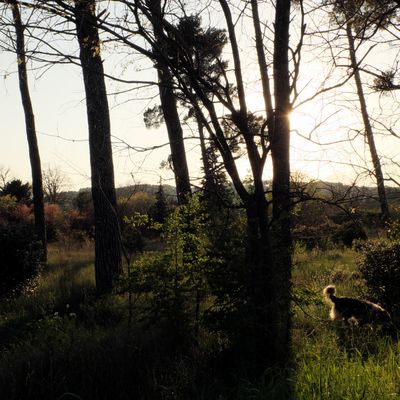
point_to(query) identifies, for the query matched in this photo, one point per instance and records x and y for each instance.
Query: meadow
(59, 341)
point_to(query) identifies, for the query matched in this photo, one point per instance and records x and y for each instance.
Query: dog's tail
(329, 293)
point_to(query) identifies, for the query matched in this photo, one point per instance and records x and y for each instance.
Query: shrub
(54, 221)
(174, 279)
(312, 236)
(134, 229)
(393, 230)
(80, 224)
(20, 254)
(20, 251)
(348, 232)
(380, 267)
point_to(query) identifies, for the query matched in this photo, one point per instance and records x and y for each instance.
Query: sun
(315, 134)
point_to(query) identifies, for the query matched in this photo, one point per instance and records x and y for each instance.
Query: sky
(59, 106)
(60, 113)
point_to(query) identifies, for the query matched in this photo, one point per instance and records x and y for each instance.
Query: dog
(361, 311)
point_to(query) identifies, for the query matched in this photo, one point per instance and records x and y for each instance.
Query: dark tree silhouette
(169, 107)
(266, 309)
(369, 134)
(107, 231)
(20, 191)
(361, 20)
(37, 185)
(159, 210)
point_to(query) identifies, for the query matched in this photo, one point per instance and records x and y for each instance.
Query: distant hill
(68, 198)
(362, 196)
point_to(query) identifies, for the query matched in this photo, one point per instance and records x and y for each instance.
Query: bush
(20, 255)
(54, 221)
(380, 267)
(134, 230)
(348, 232)
(312, 237)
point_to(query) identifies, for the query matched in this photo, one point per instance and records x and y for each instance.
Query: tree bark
(169, 107)
(37, 183)
(380, 181)
(107, 231)
(280, 284)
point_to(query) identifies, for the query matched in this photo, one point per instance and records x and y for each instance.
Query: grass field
(58, 341)
(335, 361)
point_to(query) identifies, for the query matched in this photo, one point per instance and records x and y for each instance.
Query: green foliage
(159, 210)
(312, 237)
(348, 232)
(226, 275)
(329, 373)
(58, 338)
(20, 255)
(20, 251)
(393, 230)
(320, 236)
(132, 232)
(8, 208)
(83, 201)
(380, 267)
(174, 279)
(333, 360)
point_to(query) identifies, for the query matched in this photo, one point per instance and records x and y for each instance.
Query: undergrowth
(59, 341)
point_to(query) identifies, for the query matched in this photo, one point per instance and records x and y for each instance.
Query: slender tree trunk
(37, 183)
(107, 231)
(209, 181)
(280, 284)
(169, 107)
(385, 213)
(262, 62)
(175, 134)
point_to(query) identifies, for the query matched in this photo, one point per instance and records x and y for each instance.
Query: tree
(169, 108)
(4, 172)
(266, 312)
(362, 17)
(205, 47)
(20, 191)
(108, 264)
(53, 182)
(378, 173)
(159, 210)
(37, 185)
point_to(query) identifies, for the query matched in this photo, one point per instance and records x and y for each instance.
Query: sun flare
(315, 139)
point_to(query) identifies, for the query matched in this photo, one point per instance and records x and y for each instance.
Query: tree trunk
(262, 63)
(385, 214)
(280, 284)
(37, 183)
(209, 181)
(169, 107)
(107, 231)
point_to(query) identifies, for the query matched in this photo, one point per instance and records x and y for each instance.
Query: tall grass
(333, 360)
(59, 341)
(364, 370)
